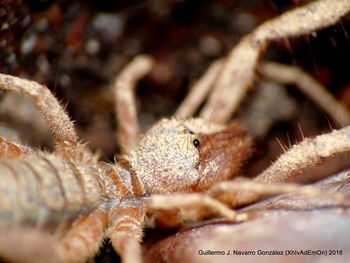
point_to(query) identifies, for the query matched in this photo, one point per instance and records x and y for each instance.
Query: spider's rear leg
(59, 122)
(187, 207)
(125, 230)
(85, 237)
(31, 245)
(64, 135)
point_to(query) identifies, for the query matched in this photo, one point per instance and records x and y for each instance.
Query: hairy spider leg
(126, 230)
(62, 128)
(125, 105)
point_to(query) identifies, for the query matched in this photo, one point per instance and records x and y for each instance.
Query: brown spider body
(50, 193)
(42, 190)
(58, 207)
(46, 190)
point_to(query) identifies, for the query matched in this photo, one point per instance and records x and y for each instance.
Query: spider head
(187, 156)
(222, 154)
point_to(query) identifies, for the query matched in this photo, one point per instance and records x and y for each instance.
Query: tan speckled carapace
(58, 207)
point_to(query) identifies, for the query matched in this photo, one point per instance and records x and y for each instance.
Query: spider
(77, 200)
(70, 201)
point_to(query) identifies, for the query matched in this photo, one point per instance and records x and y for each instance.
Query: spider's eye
(196, 143)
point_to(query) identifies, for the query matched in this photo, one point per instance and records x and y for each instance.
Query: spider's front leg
(128, 132)
(175, 209)
(301, 162)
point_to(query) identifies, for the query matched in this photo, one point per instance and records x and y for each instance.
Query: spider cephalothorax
(187, 156)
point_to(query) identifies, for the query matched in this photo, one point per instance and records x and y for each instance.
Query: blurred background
(77, 48)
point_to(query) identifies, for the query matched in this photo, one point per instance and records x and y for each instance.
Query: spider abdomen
(44, 191)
